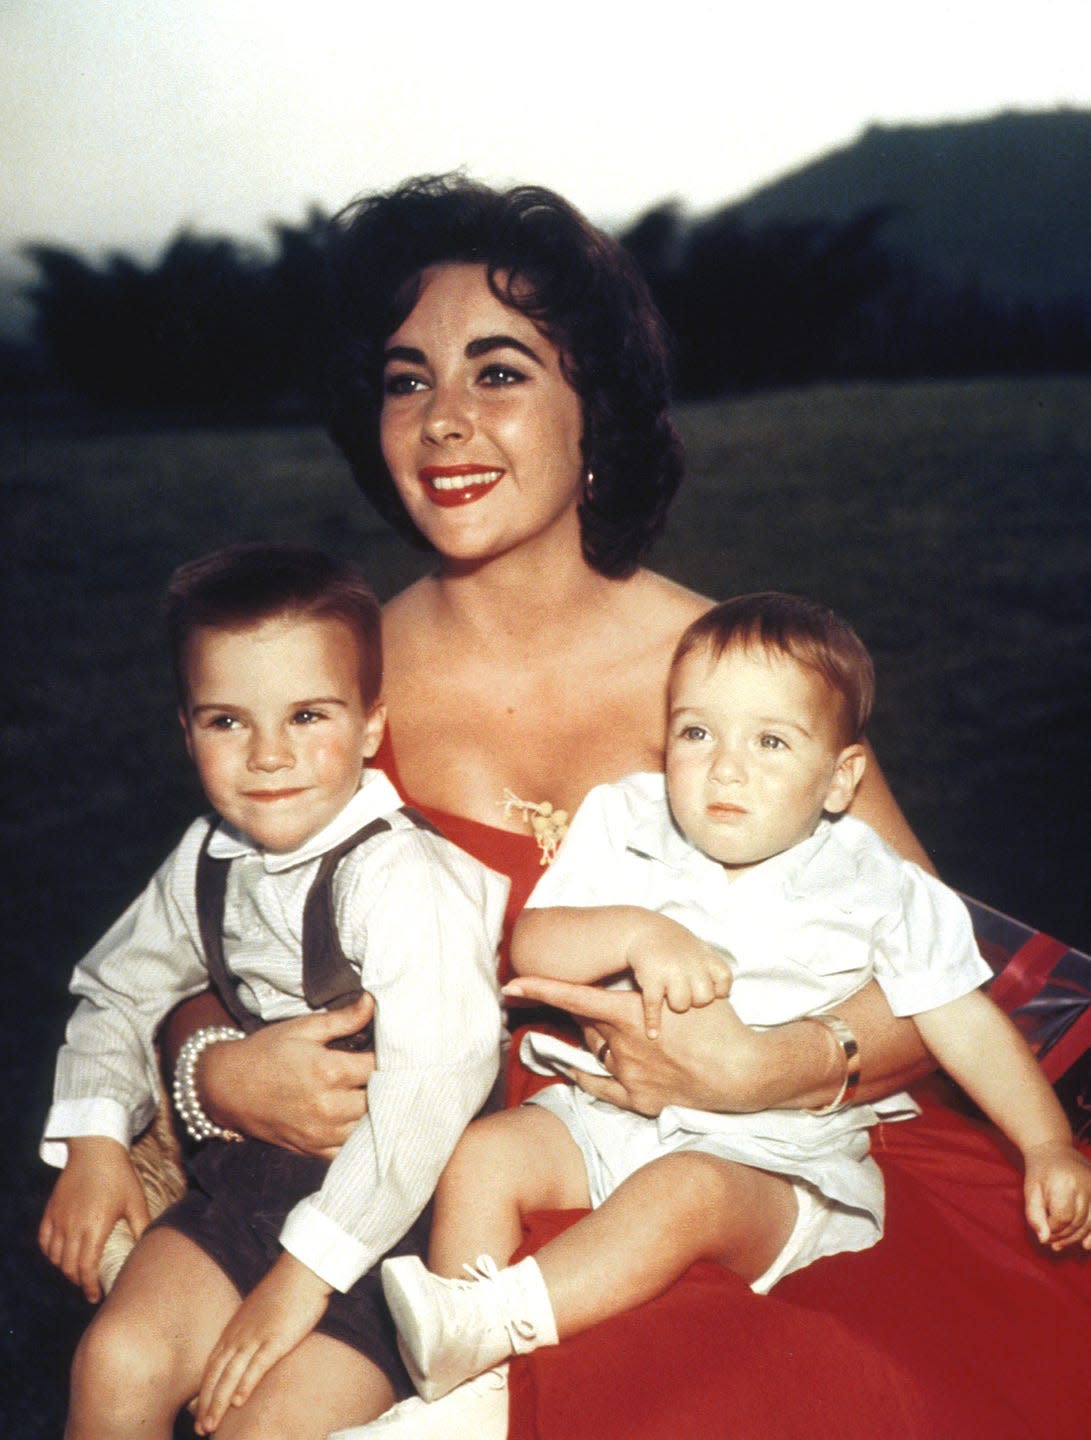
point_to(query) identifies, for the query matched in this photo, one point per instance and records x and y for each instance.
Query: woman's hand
(97, 1187)
(705, 1058)
(709, 1060)
(279, 1312)
(283, 1085)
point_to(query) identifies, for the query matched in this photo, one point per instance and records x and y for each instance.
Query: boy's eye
(402, 383)
(772, 742)
(694, 732)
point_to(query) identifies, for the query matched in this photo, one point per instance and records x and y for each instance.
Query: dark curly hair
(576, 284)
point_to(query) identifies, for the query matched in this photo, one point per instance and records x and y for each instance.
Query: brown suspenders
(330, 980)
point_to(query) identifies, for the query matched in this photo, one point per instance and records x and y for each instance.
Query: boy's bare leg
(321, 1385)
(143, 1355)
(504, 1167)
(145, 1352)
(674, 1211)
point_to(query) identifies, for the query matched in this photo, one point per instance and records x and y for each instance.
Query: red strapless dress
(956, 1326)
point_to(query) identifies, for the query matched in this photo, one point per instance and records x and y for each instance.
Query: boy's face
(276, 724)
(753, 754)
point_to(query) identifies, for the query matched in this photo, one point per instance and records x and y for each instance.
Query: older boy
(312, 883)
(730, 877)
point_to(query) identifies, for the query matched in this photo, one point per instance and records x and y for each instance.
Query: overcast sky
(122, 121)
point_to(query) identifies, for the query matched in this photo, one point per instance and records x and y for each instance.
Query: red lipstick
(449, 486)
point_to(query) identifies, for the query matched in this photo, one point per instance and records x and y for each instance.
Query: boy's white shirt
(429, 954)
(842, 890)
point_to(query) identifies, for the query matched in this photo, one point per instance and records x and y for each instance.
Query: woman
(500, 391)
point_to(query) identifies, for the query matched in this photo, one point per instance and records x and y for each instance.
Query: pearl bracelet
(850, 1051)
(186, 1099)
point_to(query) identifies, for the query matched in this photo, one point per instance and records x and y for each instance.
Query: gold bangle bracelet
(850, 1051)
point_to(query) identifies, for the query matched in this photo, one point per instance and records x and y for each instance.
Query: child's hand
(278, 1313)
(669, 963)
(1058, 1195)
(97, 1187)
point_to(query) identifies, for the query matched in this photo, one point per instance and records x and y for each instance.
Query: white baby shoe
(450, 1330)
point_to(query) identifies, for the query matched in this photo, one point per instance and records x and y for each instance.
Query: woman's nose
(448, 416)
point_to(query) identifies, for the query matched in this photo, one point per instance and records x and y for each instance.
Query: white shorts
(615, 1143)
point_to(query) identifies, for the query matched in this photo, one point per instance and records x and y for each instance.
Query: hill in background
(1003, 201)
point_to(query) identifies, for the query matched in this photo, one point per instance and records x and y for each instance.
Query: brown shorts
(239, 1198)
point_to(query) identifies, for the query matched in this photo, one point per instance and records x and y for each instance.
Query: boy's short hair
(247, 583)
(804, 630)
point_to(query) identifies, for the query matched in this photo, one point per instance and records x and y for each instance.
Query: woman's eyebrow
(487, 343)
(404, 352)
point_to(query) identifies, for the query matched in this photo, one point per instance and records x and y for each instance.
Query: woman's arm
(874, 803)
(709, 1060)
(281, 1084)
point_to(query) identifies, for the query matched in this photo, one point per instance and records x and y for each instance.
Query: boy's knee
(118, 1357)
(690, 1177)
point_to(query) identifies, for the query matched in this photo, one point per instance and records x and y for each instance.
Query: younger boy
(736, 856)
(312, 883)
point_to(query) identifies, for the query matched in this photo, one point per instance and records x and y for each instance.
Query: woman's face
(480, 428)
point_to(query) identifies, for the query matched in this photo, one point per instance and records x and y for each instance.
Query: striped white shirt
(421, 921)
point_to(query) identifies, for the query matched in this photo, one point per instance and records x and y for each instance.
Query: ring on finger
(602, 1052)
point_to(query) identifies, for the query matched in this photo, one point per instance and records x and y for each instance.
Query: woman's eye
(222, 722)
(501, 375)
(402, 383)
(307, 717)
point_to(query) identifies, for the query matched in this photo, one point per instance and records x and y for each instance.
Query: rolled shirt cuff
(335, 1256)
(69, 1119)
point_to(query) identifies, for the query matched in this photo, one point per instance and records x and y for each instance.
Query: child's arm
(980, 1048)
(279, 1312)
(585, 944)
(97, 1187)
(429, 920)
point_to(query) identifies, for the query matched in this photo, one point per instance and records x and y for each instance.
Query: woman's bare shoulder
(664, 603)
(409, 602)
(409, 616)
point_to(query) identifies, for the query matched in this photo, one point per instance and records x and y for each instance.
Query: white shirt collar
(375, 797)
(656, 835)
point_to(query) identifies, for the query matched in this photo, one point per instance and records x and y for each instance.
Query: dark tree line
(211, 323)
(750, 307)
(788, 302)
(214, 324)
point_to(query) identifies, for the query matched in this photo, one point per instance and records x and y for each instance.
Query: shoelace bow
(485, 1271)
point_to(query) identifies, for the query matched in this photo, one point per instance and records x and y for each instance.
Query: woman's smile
(450, 485)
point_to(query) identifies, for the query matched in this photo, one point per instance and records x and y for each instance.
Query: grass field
(949, 522)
